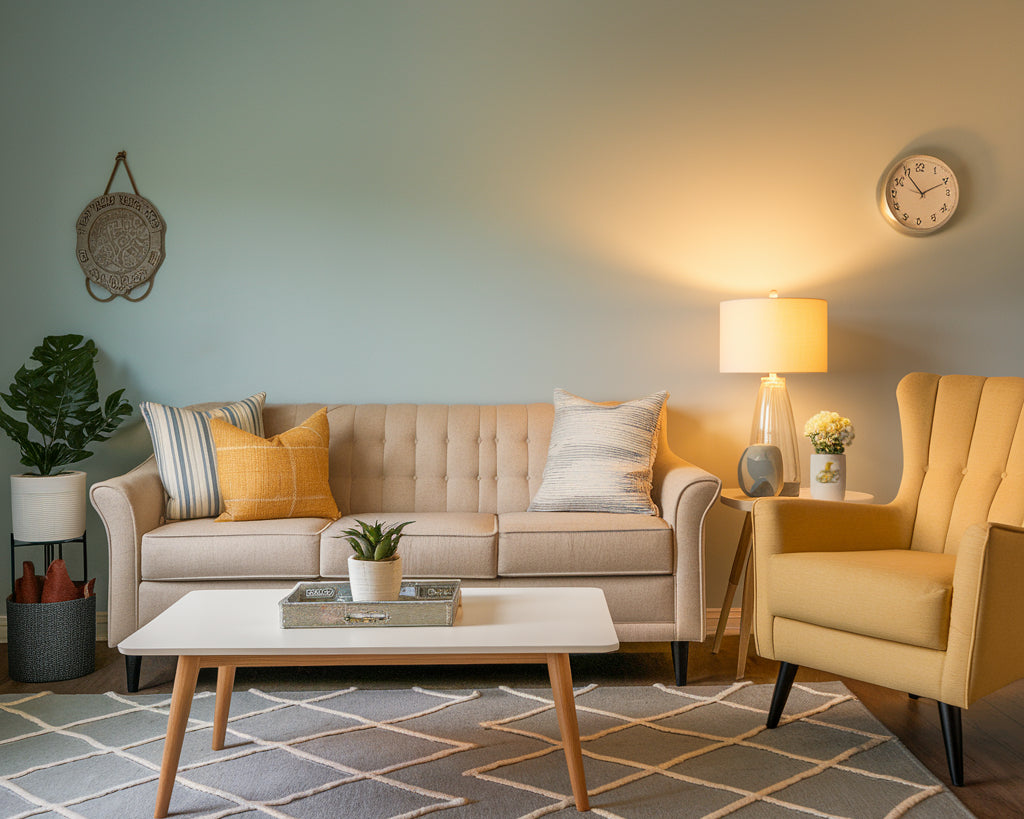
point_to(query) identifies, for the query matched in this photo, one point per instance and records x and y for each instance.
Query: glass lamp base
(773, 424)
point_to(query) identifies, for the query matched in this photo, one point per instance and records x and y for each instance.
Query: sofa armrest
(685, 494)
(129, 506)
(984, 649)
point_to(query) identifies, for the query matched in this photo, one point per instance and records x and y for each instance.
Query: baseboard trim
(731, 627)
(101, 627)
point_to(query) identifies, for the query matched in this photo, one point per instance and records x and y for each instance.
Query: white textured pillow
(601, 456)
(186, 456)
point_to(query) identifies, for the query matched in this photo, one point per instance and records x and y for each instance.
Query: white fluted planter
(375, 579)
(48, 508)
(828, 476)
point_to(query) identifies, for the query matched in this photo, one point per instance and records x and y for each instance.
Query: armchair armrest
(782, 525)
(685, 493)
(129, 506)
(802, 525)
(985, 650)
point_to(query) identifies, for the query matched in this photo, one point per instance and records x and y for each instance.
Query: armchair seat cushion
(899, 595)
(571, 544)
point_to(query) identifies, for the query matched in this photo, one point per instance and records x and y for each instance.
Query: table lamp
(774, 336)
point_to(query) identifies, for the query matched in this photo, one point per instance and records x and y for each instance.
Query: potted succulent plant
(375, 570)
(63, 417)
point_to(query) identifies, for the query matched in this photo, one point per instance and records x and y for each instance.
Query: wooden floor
(993, 727)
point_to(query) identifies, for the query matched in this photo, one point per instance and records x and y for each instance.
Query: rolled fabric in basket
(58, 585)
(28, 588)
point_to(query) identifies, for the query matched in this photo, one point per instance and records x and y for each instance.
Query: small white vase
(48, 508)
(375, 579)
(828, 476)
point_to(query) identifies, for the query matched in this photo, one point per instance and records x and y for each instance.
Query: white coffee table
(228, 629)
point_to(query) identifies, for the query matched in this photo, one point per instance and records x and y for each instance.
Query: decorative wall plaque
(120, 240)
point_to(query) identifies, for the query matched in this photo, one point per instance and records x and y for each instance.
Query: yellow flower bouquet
(830, 432)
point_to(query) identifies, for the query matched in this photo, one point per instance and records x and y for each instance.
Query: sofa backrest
(429, 457)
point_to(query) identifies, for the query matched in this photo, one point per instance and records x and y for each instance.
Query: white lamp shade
(773, 336)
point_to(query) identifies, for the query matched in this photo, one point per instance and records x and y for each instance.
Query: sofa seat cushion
(900, 595)
(204, 549)
(573, 544)
(435, 544)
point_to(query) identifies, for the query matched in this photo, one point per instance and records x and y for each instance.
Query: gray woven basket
(47, 642)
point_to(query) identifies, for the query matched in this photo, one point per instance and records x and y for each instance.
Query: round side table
(736, 499)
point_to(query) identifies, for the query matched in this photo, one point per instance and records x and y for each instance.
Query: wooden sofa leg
(784, 682)
(680, 657)
(132, 670)
(953, 738)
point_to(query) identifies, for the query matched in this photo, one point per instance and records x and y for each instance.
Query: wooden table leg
(746, 620)
(181, 704)
(560, 673)
(225, 682)
(739, 562)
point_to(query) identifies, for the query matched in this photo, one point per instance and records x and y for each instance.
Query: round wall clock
(919, 194)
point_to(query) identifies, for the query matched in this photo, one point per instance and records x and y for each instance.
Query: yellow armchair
(924, 594)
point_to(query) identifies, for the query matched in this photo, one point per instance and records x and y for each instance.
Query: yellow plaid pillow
(280, 477)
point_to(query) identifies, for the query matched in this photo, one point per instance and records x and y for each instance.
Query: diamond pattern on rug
(648, 752)
(721, 759)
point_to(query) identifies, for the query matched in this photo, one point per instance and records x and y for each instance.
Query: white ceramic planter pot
(375, 579)
(48, 508)
(828, 476)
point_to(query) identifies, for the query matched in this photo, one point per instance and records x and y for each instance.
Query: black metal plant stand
(49, 547)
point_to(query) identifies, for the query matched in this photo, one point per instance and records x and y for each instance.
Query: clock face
(919, 194)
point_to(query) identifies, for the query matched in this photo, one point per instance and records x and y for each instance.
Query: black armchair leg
(680, 657)
(953, 738)
(784, 682)
(132, 670)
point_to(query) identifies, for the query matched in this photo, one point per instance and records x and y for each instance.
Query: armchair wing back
(923, 594)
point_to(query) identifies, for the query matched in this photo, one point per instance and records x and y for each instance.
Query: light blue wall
(480, 201)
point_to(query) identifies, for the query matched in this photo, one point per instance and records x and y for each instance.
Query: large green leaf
(61, 403)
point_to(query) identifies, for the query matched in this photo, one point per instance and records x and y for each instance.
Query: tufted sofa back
(430, 457)
(963, 455)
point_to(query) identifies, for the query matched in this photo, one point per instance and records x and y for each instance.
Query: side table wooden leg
(560, 673)
(181, 704)
(225, 682)
(746, 620)
(739, 562)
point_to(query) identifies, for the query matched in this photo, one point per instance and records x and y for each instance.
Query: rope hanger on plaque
(120, 240)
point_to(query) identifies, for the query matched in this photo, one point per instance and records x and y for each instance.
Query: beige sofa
(465, 475)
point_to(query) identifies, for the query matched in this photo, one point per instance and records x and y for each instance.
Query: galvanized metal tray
(330, 605)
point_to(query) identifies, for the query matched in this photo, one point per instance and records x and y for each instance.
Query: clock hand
(906, 172)
(933, 187)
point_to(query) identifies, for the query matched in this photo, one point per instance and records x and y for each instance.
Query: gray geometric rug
(656, 751)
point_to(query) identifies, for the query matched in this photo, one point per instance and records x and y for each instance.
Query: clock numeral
(906, 216)
(944, 208)
(897, 181)
(933, 218)
(918, 220)
(948, 193)
(895, 205)
(919, 167)
(945, 180)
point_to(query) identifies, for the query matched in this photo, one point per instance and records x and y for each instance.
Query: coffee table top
(492, 621)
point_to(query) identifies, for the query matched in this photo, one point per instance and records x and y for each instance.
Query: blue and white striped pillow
(186, 456)
(601, 456)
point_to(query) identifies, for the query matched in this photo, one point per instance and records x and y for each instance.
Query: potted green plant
(63, 417)
(375, 570)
